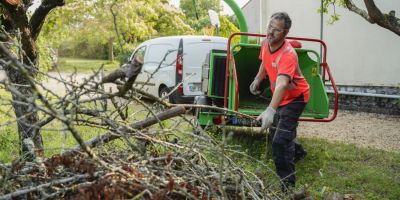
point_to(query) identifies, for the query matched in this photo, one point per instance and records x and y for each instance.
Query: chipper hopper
(227, 76)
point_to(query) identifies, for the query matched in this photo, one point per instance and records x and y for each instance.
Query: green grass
(369, 173)
(52, 141)
(85, 65)
(334, 167)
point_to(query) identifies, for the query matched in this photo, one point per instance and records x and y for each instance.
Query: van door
(193, 58)
(142, 77)
(158, 68)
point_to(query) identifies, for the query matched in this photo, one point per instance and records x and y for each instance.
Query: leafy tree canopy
(198, 9)
(196, 12)
(93, 23)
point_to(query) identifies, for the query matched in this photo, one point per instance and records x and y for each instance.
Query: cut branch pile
(142, 149)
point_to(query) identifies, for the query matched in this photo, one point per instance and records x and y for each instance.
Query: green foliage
(190, 7)
(47, 56)
(8, 142)
(196, 12)
(202, 23)
(333, 17)
(227, 28)
(93, 26)
(125, 53)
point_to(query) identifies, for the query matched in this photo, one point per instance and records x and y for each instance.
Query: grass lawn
(368, 173)
(329, 167)
(85, 65)
(334, 167)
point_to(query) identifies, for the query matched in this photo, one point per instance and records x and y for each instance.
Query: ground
(362, 129)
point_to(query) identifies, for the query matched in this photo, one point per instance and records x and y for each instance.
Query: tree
(372, 14)
(17, 21)
(197, 9)
(89, 20)
(136, 22)
(196, 12)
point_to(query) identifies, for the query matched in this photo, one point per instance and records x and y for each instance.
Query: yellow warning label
(314, 71)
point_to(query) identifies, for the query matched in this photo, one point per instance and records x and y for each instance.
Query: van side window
(139, 53)
(157, 52)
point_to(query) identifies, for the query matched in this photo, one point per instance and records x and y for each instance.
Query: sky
(227, 10)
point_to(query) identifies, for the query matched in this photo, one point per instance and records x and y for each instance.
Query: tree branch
(352, 7)
(40, 14)
(36, 188)
(375, 16)
(107, 137)
(19, 19)
(374, 13)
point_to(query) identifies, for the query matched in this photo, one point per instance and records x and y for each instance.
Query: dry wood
(107, 137)
(179, 164)
(35, 188)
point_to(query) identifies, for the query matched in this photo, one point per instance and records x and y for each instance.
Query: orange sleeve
(287, 65)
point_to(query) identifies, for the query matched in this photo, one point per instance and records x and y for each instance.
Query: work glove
(254, 86)
(267, 117)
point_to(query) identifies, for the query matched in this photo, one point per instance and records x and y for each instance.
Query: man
(290, 95)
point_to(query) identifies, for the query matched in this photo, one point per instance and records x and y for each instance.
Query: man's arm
(254, 86)
(261, 73)
(282, 84)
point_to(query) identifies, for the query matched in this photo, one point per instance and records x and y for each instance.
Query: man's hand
(267, 117)
(254, 86)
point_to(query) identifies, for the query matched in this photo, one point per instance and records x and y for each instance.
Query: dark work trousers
(283, 131)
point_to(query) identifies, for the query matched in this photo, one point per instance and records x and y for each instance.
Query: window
(157, 52)
(139, 53)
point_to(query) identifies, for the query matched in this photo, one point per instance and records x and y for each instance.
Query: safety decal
(314, 71)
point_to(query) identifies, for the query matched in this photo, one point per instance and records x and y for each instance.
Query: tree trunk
(26, 117)
(18, 22)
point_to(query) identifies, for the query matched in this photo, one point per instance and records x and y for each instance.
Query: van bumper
(182, 99)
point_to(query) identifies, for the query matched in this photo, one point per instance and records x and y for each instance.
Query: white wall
(251, 12)
(359, 53)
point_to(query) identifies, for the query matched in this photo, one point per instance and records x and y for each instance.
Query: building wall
(251, 12)
(359, 53)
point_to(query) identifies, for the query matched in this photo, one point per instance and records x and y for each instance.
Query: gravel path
(363, 129)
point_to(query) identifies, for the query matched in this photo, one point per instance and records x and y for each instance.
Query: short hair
(283, 16)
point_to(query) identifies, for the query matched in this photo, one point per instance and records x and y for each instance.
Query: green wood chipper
(227, 75)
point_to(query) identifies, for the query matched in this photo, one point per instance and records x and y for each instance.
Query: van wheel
(164, 91)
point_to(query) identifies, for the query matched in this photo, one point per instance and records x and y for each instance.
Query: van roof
(185, 37)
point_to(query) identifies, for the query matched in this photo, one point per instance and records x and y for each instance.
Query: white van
(168, 61)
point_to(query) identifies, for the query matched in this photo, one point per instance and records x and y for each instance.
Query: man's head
(278, 27)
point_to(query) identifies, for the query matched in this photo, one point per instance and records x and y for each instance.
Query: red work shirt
(284, 62)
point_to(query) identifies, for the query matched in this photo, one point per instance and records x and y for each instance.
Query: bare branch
(375, 16)
(38, 18)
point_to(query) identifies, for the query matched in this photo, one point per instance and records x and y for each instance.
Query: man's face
(276, 31)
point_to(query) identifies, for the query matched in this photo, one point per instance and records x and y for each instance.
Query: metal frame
(324, 65)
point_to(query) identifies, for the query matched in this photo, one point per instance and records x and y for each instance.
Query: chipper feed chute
(227, 76)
